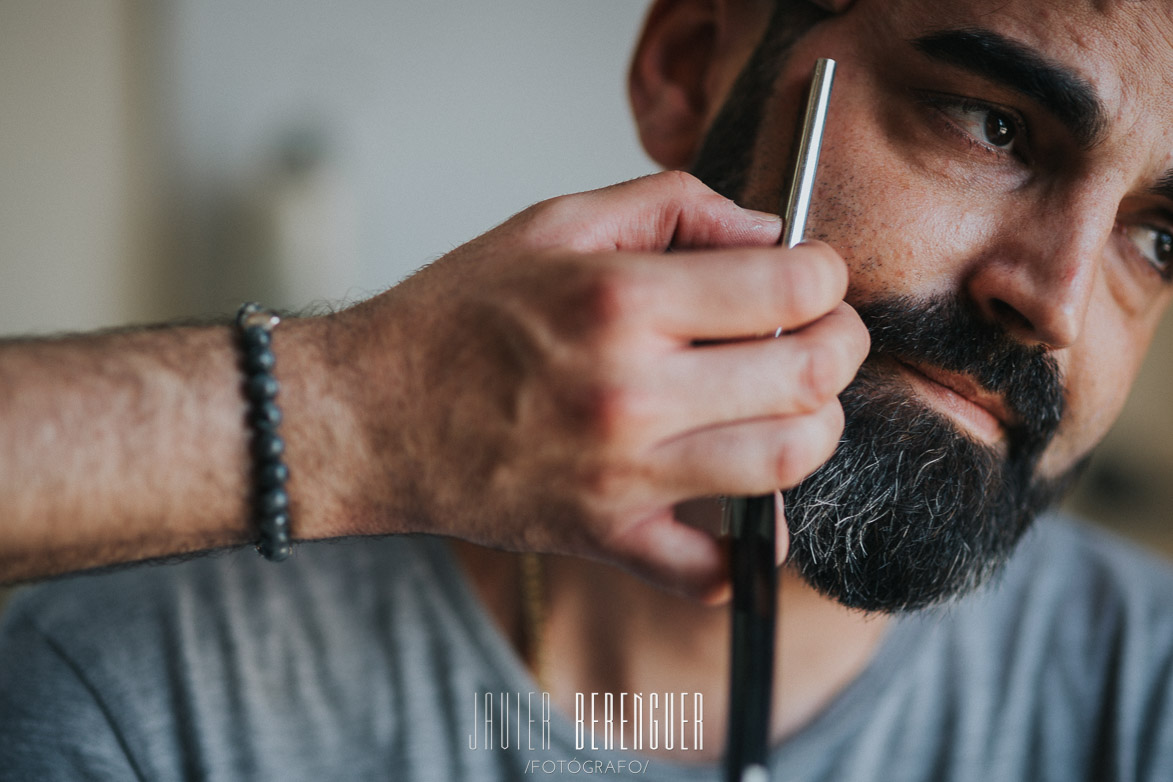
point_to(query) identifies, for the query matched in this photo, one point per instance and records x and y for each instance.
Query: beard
(909, 511)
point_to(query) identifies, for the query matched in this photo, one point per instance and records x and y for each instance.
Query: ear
(683, 64)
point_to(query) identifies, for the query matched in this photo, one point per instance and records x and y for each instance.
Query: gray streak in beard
(910, 511)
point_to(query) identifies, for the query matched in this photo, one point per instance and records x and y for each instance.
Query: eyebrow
(1060, 91)
(1164, 186)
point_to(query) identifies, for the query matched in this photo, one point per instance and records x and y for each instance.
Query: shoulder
(1071, 652)
(1082, 567)
(1105, 605)
(1079, 588)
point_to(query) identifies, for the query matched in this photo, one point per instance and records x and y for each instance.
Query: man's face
(1009, 167)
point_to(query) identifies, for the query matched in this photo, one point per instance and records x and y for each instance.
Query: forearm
(559, 384)
(134, 445)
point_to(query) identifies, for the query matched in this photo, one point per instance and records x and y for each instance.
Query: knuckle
(613, 532)
(585, 409)
(621, 412)
(860, 337)
(793, 463)
(611, 296)
(828, 269)
(592, 301)
(555, 221)
(609, 489)
(846, 342)
(822, 252)
(801, 292)
(821, 377)
(604, 297)
(683, 181)
(809, 445)
(625, 293)
(608, 415)
(534, 214)
(685, 189)
(603, 483)
(619, 294)
(552, 210)
(833, 422)
(849, 353)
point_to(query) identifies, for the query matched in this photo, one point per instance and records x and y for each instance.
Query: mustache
(950, 334)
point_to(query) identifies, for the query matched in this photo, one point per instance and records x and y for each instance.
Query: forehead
(1083, 21)
(1122, 48)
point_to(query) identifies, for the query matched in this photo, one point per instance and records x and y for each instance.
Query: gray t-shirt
(363, 661)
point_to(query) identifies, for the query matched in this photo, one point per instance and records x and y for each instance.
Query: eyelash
(1124, 229)
(948, 106)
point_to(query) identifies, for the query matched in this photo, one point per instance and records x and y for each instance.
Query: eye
(1154, 244)
(989, 128)
(987, 124)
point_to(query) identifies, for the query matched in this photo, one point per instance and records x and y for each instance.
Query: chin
(910, 511)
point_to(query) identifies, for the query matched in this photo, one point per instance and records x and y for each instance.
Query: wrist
(335, 410)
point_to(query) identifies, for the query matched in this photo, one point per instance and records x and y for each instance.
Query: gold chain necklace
(533, 616)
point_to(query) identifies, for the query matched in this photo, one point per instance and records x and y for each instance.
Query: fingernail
(765, 218)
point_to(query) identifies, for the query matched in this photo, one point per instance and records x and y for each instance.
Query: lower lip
(973, 418)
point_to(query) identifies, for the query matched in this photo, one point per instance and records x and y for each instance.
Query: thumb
(674, 555)
(650, 214)
(685, 559)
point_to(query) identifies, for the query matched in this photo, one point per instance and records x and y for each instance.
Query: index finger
(728, 294)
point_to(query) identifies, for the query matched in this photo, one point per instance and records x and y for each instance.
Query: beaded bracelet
(270, 500)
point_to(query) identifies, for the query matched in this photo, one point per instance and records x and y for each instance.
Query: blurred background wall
(72, 195)
(173, 158)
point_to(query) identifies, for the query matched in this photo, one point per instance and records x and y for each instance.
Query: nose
(1037, 275)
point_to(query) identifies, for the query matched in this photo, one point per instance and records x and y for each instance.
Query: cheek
(902, 227)
(1098, 373)
(900, 232)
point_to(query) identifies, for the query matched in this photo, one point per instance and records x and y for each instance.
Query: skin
(540, 388)
(1040, 248)
(940, 218)
(573, 375)
(563, 385)
(919, 203)
(126, 446)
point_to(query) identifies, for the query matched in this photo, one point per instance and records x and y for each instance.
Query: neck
(609, 632)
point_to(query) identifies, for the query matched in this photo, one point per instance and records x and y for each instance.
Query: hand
(562, 382)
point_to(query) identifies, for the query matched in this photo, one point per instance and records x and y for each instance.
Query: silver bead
(254, 316)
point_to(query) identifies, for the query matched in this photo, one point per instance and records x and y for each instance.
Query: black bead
(270, 499)
(266, 415)
(260, 361)
(267, 445)
(275, 551)
(256, 337)
(262, 387)
(272, 473)
(272, 502)
(275, 525)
